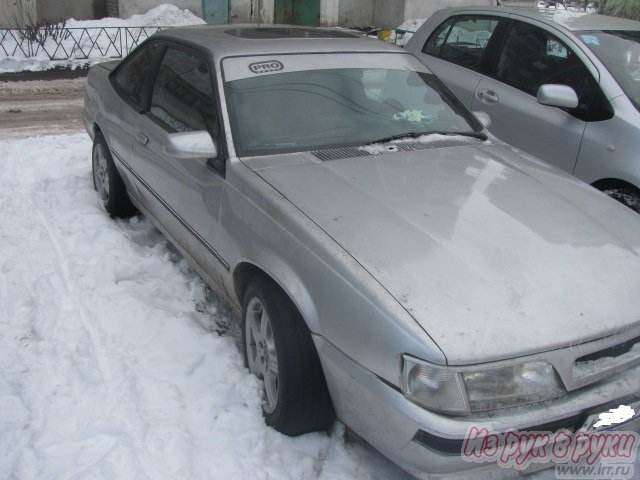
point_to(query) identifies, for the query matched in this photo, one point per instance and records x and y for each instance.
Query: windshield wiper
(398, 136)
(479, 135)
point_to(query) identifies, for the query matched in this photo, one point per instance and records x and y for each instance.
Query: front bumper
(428, 445)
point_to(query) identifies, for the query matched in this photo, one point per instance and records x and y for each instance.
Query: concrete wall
(251, 11)
(57, 10)
(389, 13)
(329, 12)
(16, 11)
(356, 13)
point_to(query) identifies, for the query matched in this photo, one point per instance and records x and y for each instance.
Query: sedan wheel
(107, 181)
(278, 349)
(101, 173)
(261, 351)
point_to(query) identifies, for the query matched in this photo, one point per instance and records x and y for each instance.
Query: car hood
(492, 252)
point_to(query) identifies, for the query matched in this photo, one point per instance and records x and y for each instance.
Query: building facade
(348, 13)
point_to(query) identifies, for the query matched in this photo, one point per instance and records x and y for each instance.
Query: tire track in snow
(117, 376)
(61, 258)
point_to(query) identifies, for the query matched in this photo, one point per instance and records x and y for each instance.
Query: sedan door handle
(487, 96)
(142, 138)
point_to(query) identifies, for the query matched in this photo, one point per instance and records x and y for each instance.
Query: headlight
(519, 384)
(466, 390)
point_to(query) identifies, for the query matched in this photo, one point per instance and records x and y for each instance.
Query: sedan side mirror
(557, 96)
(189, 145)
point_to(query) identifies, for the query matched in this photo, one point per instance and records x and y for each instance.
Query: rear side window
(132, 74)
(462, 40)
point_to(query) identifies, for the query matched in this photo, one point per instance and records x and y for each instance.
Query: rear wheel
(279, 350)
(107, 181)
(628, 196)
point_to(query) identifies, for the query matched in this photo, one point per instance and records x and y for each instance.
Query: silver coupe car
(391, 263)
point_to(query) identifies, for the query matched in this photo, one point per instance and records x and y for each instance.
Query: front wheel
(279, 350)
(107, 181)
(628, 196)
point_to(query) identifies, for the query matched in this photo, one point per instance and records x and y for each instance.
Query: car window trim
(495, 46)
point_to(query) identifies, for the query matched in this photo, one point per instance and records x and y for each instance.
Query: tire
(279, 350)
(628, 196)
(107, 181)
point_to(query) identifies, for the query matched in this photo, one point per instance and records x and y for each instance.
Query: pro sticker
(268, 66)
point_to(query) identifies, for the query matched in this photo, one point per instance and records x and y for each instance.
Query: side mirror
(557, 96)
(189, 145)
(484, 118)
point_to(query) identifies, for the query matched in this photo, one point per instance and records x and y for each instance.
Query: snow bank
(113, 363)
(78, 44)
(165, 15)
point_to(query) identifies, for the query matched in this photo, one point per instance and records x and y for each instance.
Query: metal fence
(73, 43)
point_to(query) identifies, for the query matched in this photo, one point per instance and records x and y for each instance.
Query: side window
(532, 57)
(131, 76)
(182, 98)
(462, 40)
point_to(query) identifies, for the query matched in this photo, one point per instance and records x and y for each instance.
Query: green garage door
(298, 12)
(215, 11)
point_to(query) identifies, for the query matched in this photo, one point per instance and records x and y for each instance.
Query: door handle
(142, 138)
(487, 96)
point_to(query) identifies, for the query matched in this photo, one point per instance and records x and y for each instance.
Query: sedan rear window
(462, 40)
(133, 72)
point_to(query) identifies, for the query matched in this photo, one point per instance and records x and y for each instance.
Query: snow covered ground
(113, 362)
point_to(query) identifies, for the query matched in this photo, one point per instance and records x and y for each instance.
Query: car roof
(571, 20)
(232, 40)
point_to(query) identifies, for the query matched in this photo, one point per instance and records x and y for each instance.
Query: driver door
(184, 195)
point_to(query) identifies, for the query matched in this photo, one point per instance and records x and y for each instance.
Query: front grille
(610, 352)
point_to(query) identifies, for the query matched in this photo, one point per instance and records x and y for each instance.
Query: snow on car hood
(494, 254)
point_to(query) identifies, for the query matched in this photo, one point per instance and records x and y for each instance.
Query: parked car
(562, 86)
(391, 262)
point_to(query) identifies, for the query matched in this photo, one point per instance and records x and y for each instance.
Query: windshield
(620, 52)
(314, 109)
